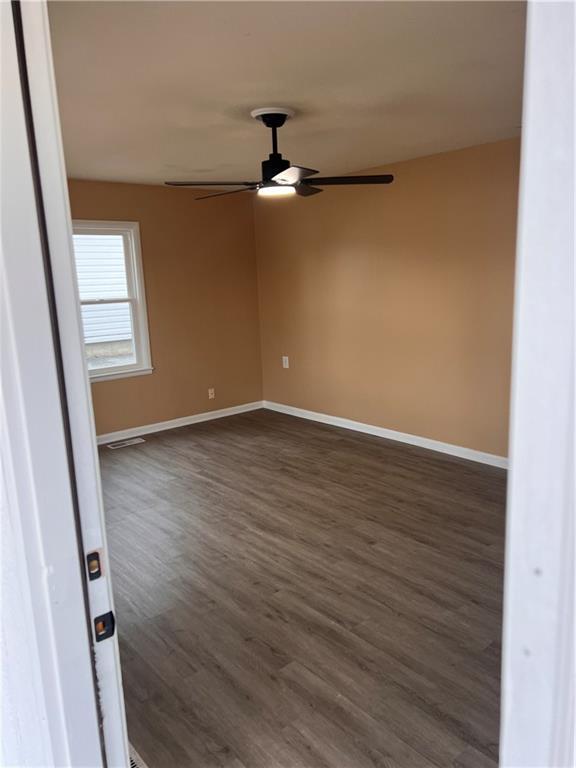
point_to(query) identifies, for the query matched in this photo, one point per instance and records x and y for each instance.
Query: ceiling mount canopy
(272, 116)
(279, 177)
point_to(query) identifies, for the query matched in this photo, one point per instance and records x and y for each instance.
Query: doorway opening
(307, 540)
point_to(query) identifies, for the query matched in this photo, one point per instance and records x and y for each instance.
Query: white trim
(323, 418)
(100, 597)
(130, 231)
(391, 434)
(115, 373)
(48, 707)
(184, 421)
(538, 646)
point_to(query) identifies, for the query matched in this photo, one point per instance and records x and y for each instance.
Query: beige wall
(395, 303)
(200, 276)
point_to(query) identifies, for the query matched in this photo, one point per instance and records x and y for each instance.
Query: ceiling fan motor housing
(275, 164)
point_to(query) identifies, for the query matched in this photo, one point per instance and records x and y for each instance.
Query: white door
(47, 407)
(538, 676)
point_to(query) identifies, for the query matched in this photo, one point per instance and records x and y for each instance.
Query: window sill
(108, 376)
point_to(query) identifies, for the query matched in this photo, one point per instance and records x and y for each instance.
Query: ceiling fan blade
(293, 175)
(210, 183)
(327, 181)
(305, 190)
(228, 192)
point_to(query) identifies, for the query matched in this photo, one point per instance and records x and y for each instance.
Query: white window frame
(130, 232)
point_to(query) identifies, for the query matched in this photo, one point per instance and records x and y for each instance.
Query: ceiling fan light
(277, 190)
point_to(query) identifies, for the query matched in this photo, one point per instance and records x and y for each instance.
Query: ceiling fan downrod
(273, 118)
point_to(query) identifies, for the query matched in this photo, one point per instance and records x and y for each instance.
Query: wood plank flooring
(293, 595)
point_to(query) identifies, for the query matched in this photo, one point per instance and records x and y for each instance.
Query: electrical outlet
(211, 393)
(285, 361)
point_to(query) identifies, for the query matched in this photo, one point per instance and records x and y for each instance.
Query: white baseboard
(184, 421)
(391, 434)
(323, 418)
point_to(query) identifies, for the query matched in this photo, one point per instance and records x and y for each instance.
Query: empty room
(294, 229)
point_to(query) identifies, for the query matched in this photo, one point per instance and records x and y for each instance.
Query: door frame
(93, 598)
(49, 703)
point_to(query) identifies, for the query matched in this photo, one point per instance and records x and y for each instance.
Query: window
(113, 304)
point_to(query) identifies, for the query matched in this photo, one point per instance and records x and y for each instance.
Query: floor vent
(135, 759)
(125, 443)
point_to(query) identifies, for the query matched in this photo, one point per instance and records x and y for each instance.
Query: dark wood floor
(292, 595)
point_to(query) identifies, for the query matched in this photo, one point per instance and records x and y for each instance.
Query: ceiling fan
(279, 178)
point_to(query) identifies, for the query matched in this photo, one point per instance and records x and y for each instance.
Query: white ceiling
(160, 90)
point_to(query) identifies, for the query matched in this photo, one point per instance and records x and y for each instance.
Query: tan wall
(395, 304)
(200, 275)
